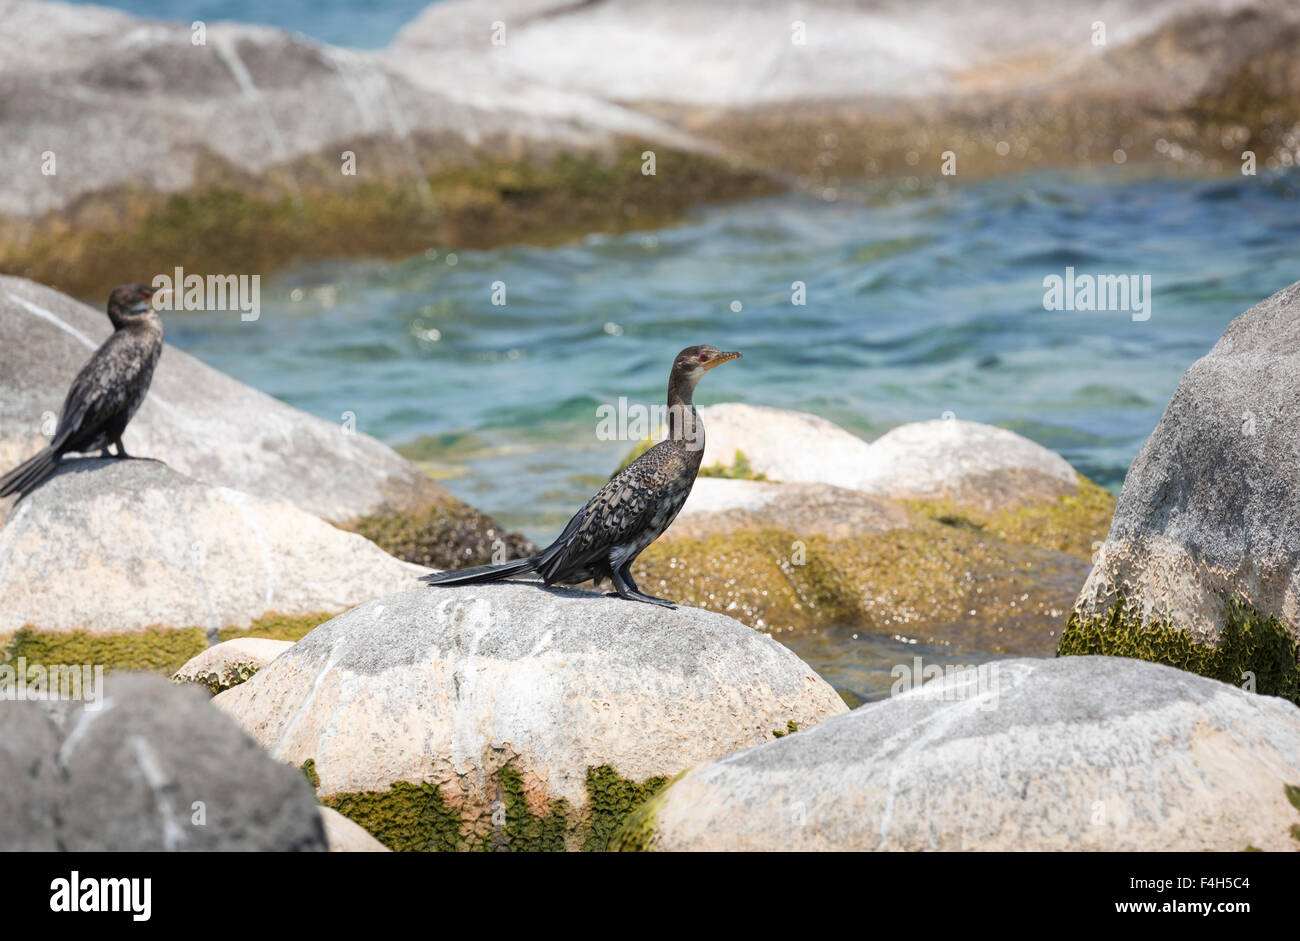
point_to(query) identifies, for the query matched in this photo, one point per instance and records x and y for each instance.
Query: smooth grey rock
(197, 420)
(113, 545)
(248, 100)
(966, 462)
(230, 663)
(945, 459)
(1210, 508)
(131, 773)
(1076, 753)
(449, 685)
(744, 54)
(29, 742)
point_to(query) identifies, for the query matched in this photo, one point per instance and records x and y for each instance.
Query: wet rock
(1078, 753)
(1201, 568)
(509, 716)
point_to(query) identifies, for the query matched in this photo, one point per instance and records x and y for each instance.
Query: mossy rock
(227, 222)
(1073, 523)
(413, 817)
(161, 650)
(935, 582)
(1250, 642)
(446, 535)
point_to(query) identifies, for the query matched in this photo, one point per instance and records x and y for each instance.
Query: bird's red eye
(704, 357)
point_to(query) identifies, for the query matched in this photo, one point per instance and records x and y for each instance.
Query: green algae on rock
(444, 535)
(417, 818)
(226, 224)
(1254, 650)
(153, 650)
(938, 582)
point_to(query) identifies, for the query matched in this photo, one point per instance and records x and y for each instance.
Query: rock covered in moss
(151, 766)
(230, 662)
(108, 545)
(445, 535)
(1202, 563)
(1077, 753)
(510, 716)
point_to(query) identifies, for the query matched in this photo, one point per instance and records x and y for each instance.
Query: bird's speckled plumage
(106, 393)
(603, 539)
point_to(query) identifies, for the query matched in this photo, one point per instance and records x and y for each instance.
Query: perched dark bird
(105, 393)
(631, 511)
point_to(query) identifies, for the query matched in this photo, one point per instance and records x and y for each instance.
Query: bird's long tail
(482, 573)
(29, 473)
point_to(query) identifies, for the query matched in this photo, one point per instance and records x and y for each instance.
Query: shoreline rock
(85, 551)
(1201, 567)
(1076, 753)
(153, 768)
(463, 142)
(510, 716)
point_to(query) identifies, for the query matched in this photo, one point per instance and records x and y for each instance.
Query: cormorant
(107, 391)
(631, 511)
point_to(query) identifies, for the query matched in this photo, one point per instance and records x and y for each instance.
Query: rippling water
(918, 303)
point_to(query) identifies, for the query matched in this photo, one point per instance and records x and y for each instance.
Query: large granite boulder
(215, 429)
(1078, 753)
(113, 545)
(1201, 567)
(510, 716)
(148, 767)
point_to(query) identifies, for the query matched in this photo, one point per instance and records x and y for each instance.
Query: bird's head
(132, 303)
(693, 362)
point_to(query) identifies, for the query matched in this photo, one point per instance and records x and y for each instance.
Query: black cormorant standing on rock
(631, 511)
(107, 391)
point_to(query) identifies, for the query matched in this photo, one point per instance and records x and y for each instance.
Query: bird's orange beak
(725, 357)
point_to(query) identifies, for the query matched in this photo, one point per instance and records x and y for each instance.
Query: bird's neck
(684, 423)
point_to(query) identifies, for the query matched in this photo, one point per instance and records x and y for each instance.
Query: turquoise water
(363, 24)
(918, 303)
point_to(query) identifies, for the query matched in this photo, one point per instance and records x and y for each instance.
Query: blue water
(918, 303)
(363, 24)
